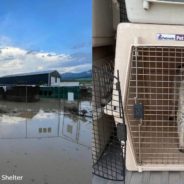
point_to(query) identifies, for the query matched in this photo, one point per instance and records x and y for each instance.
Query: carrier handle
(146, 3)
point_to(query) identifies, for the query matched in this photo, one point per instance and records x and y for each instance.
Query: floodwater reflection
(45, 143)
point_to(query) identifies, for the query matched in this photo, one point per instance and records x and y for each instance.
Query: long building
(47, 78)
(49, 83)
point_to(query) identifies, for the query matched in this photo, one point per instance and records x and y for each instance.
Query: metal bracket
(121, 132)
(138, 111)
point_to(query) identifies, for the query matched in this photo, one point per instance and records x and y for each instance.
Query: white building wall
(55, 81)
(69, 84)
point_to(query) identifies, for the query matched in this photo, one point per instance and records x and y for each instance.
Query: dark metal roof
(33, 78)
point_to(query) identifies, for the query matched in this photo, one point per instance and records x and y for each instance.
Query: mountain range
(75, 76)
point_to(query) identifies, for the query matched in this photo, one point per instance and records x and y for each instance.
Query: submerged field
(45, 143)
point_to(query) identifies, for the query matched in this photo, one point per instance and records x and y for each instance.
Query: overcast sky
(38, 35)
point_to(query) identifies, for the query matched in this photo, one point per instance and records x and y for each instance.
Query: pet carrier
(150, 60)
(156, 11)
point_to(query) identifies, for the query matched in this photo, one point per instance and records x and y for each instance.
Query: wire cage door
(123, 11)
(156, 78)
(109, 130)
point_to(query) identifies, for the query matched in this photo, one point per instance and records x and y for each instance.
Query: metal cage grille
(154, 104)
(123, 11)
(109, 131)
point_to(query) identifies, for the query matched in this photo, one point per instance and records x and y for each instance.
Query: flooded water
(45, 142)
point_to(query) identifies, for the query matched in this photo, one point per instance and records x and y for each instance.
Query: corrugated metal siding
(59, 92)
(75, 90)
(155, 177)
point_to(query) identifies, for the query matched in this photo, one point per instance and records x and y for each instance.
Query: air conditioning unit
(150, 60)
(155, 11)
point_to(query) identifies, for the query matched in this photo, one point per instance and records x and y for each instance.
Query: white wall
(55, 81)
(69, 84)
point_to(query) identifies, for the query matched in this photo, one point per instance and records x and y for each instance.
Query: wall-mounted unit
(150, 60)
(156, 11)
(106, 16)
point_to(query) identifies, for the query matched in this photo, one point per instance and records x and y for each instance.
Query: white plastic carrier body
(145, 35)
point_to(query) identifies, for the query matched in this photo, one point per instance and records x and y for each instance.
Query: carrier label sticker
(161, 36)
(179, 37)
(169, 37)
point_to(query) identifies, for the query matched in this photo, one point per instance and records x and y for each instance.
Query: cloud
(79, 46)
(5, 41)
(14, 64)
(82, 45)
(78, 68)
(77, 59)
(15, 60)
